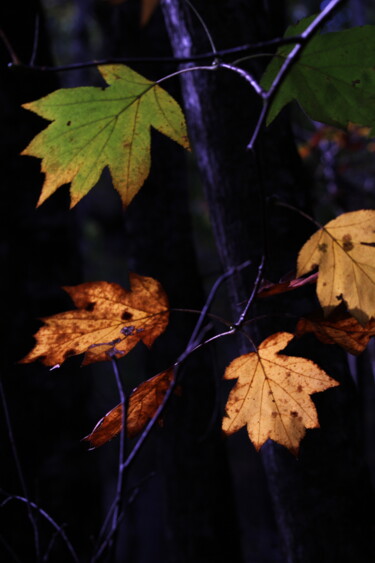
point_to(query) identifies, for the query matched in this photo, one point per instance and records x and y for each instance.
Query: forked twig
(45, 515)
(21, 477)
(286, 67)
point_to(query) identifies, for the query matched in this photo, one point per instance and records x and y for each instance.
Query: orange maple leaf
(272, 394)
(143, 403)
(339, 328)
(108, 321)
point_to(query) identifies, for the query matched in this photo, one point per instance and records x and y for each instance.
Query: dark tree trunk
(324, 496)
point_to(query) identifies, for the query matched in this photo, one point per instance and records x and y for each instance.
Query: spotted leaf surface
(272, 395)
(93, 128)
(344, 252)
(109, 321)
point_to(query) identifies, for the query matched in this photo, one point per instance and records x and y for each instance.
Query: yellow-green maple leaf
(344, 251)
(97, 127)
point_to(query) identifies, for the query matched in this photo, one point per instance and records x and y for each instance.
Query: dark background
(192, 496)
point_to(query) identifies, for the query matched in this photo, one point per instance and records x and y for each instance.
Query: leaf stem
(281, 203)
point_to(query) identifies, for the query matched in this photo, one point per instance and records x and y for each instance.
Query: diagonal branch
(292, 58)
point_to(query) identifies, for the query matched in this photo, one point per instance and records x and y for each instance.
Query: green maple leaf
(97, 127)
(334, 78)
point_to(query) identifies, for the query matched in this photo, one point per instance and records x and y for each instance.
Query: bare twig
(242, 316)
(184, 70)
(50, 546)
(21, 477)
(291, 59)
(114, 511)
(197, 312)
(247, 76)
(10, 550)
(11, 51)
(281, 203)
(122, 454)
(45, 515)
(209, 56)
(203, 24)
(36, 40)
(212, 296)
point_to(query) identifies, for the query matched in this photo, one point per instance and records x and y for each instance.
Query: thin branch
(36, 40)
(212, 296)
(184, 70)
(247, 76)
(21, 477)
(242, 316)
(291, 59)
(169, 393)
(15, 60)
(45, 515)
(192, 346)
(122, 454)
(199, 312)
(50, 546)
(281, 203)
(203, 24)
(248, 48)
(10, 550)
(114, 511)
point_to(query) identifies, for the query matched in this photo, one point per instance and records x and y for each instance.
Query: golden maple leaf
(108, 320)
(272, 394)
(344, 251)
(143, 403)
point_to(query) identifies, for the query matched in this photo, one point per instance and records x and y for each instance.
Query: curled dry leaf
(142, 405)
(108, 321)
(339, 328)
(272, 394)
(268, 288)
(344, 252)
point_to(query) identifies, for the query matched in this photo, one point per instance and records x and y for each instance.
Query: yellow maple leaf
(108, 320)
(272, 394)
(344, 251)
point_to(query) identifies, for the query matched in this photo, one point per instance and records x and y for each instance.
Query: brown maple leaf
(272, 394)
(109, 321)
(339, 328)
(143, 403)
